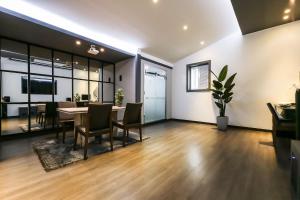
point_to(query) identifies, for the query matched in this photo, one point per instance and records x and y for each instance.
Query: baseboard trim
(156, 122)
(231, 126)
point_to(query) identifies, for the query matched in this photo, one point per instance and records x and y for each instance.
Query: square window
(198, 77)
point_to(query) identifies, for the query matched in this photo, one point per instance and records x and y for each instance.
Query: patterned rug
(53, 154)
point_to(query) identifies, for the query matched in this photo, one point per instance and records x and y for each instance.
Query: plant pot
(222, 123)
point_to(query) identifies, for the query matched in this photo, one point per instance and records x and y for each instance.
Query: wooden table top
(82, 110)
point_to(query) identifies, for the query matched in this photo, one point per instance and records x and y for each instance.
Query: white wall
(127, 69)
(267, 65)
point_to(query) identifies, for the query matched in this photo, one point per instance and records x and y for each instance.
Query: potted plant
(119, 97)
(222, 93)
(77, 97)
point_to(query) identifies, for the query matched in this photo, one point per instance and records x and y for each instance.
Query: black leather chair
(131, 120)
(298, 114)
(50, 114)
(98, 122)
(284, 128)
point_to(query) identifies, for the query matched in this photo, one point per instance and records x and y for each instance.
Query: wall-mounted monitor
(38, 86)
(84, 97)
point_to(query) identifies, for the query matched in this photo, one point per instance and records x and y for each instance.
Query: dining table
(80, 114)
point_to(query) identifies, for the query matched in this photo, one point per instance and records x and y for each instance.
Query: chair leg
(141, 134)
(127, 136)
(75, 139)
(86, 139)
(45, 120)
(111, 141)
(124, 137)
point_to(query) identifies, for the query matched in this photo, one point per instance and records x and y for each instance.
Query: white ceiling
(155, 29)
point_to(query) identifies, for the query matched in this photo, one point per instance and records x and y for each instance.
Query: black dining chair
(65, 121)
(298, 114)
(281, 127)
(98, 122)
(131, 120)
(50, 114)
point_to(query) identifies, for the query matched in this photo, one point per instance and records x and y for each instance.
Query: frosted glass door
(154, 97)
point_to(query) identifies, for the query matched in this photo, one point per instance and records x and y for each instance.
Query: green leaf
(216, 96)
(217, 92)
(217, 84)
(228, 100)
(227, 95)
(219, 105)
(229, 81)
(229, 88)
(223, 73)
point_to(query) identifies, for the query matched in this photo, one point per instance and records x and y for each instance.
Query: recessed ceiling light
(78, 42)
(185, 27)
(76, 63)
(57, 59)
(202, 42)
(285, 17)
(155, 1)
(287, 11)
(102, 50)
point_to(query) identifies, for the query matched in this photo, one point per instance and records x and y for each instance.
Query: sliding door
(154, 94)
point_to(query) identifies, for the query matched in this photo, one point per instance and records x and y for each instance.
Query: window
(198, 77)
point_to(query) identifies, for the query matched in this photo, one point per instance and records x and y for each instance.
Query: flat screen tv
(38, 86)
(84, 97)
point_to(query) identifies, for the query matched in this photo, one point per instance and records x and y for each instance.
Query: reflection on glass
(40, 60)
(41, 88)
(80, 67)
(62, 64)
(43, 116)
(14, 118)
(64, 89)
(108, 73)
(108, 92)
(95, 91)
(81, 90)
(13, 87)
(95, 70)
(13, 56)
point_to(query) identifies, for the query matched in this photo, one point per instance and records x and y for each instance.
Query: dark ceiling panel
(24, 30)
(256, 15)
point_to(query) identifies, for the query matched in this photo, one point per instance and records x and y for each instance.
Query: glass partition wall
(33, 78)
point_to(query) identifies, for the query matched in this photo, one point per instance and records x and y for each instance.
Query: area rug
(53, 154)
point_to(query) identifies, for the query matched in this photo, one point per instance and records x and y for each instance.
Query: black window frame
(188, 76)
(50, 76)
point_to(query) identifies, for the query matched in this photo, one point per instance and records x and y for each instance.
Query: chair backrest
(51, 109)
(298, 114)
(132, 113)
(67, 104)
(99, 117)
(273, 112)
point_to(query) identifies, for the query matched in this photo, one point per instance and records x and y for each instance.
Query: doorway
(154, 94)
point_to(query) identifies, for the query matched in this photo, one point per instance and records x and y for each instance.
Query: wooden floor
(179, 161)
